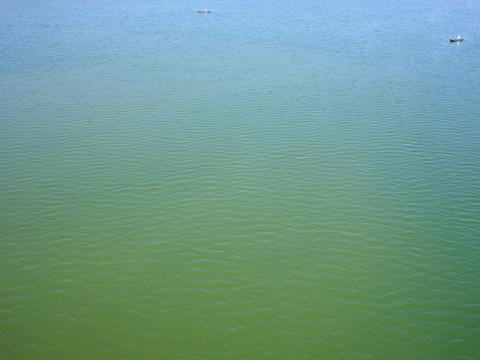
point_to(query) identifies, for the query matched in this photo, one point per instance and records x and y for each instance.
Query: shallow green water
(285, 181)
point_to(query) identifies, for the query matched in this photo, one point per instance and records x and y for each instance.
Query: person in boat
(458, 37)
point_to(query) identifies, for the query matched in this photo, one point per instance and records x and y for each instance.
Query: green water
(268, 181)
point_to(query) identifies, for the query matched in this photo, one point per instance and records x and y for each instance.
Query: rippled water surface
(273, 180)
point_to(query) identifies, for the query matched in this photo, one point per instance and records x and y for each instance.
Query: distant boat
(205, 11)
(458, 39)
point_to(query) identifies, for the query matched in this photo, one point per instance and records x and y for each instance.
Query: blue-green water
(274, 180)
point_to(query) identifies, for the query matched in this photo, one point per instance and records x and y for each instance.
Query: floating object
(458, 39)
(205, 11)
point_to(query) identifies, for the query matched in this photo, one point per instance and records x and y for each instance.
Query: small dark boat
(458, 39)
(204, 11)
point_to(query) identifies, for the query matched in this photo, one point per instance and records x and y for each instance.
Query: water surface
(285, 180)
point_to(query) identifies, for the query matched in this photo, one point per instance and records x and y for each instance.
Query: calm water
(274, 180)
